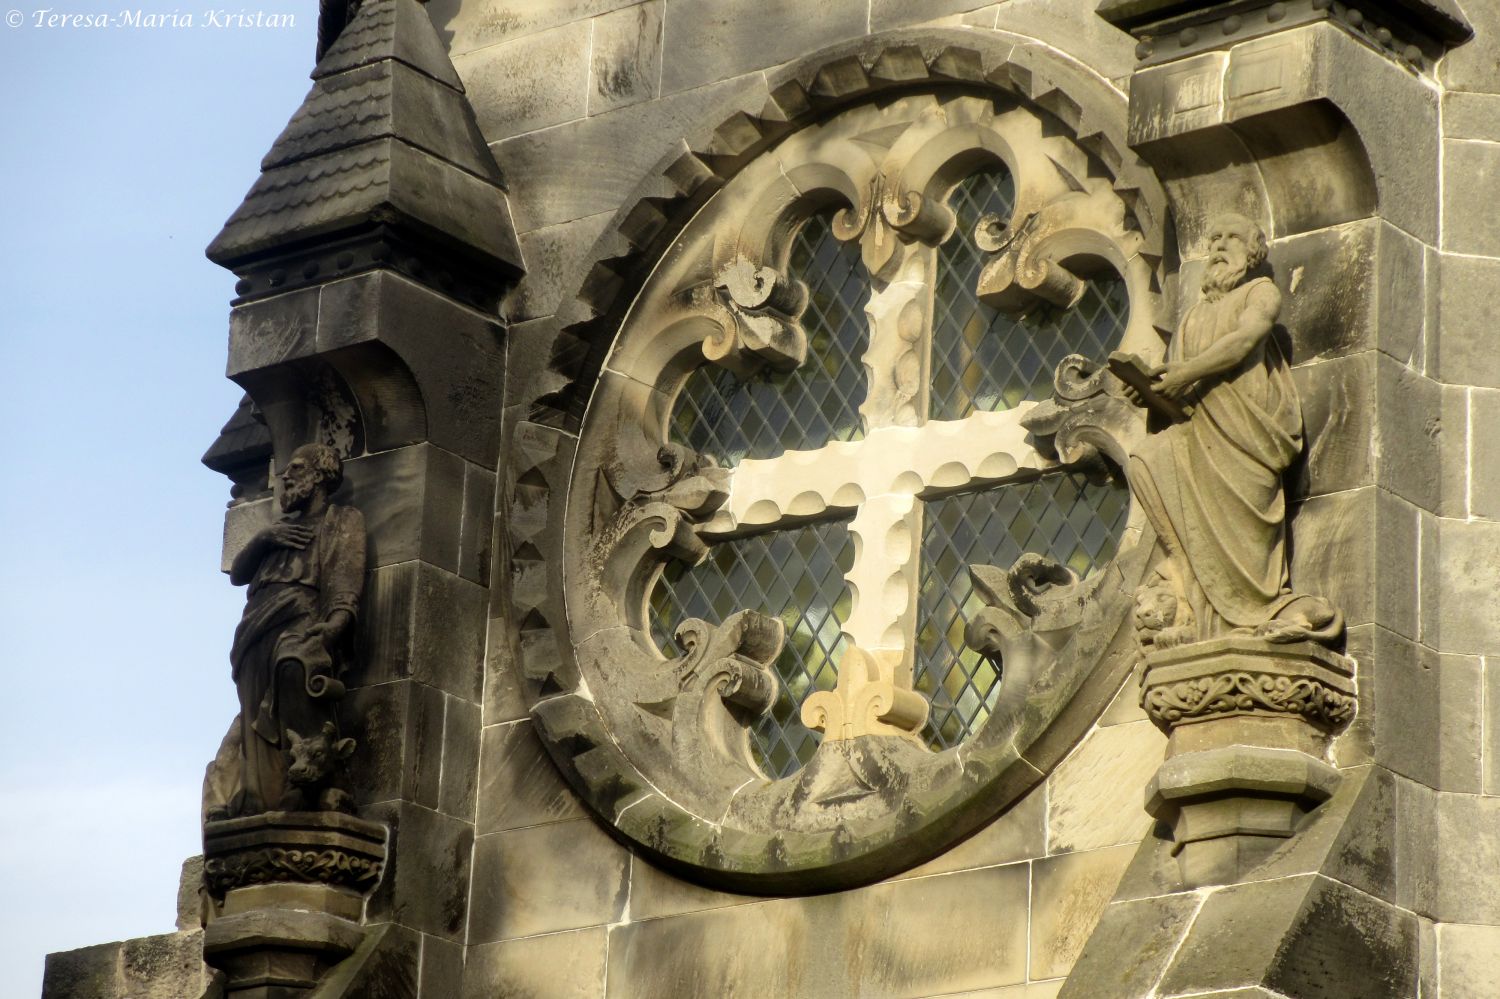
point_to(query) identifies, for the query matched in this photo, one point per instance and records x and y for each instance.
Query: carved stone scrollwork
(722, 682)
(1085, 418)
(1030, 611)
(665, 518)
(884, 216)
(756, 313)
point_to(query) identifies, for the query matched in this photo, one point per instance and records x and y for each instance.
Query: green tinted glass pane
(1064, 516)
(795, 575)
(984, 360)
(771, 413)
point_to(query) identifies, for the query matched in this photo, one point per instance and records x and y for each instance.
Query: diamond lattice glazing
(819, 402)
(1064, 515)
(796, 575)
(985, 360)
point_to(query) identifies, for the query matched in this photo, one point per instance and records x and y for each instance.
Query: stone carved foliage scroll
(655, 739)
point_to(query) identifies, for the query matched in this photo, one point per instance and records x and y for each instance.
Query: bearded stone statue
(1211, 483)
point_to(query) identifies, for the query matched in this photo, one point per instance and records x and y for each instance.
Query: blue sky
(122, 151)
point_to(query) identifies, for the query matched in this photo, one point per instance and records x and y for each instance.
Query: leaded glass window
(802, 567)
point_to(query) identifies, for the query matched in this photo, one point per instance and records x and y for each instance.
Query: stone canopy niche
(656, 735)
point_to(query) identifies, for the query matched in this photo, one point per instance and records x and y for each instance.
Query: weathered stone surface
(1106, 50)
(457, 793)
(625, 63)
(425, 887)
(1461, 847)
(167, 966)
(1095, 795)
(1471, 116)
(425, 624)
(706, 41)
(886, 14)
(467, 26)
(1335, 553)
(398, 733)
(519, 784)
(1426, 709)
(558, 876)
(442, 964)
(1068, 895)
(1466, 572)
(558, 965)
(1032, 990)
(1019, 833)
(1467, 960)
(1130, 946)
(555, 256)
(1466, 304)
(1302, 936)
(450, 355)
(1481, 487)
(189, 894)
(412, 499)
(529, 82)
(654, 892)
(610, 154)
(892, 939)
(1469, 167)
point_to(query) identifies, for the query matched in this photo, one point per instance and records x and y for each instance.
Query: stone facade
(473, 317)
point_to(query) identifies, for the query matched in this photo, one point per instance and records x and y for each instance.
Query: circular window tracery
(656, 733)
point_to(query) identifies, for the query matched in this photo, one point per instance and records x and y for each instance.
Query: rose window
(801, 569)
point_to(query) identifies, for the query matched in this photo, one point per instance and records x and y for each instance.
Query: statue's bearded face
(299, 480)
(1230, 242)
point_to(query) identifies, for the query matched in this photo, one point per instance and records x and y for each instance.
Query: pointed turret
(382, 166)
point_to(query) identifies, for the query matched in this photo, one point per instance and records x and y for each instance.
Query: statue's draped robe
(272, 655)
(1212, 485)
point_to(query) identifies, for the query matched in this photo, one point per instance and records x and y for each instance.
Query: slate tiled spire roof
(385, 137)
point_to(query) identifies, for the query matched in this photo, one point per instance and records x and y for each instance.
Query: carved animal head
(316, 757)
(1155, 609)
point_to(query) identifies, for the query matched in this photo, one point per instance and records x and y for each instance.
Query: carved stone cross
(883, 478)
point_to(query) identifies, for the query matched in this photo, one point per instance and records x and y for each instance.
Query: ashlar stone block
(1466, 303)
(519, 784)
(1068, 895)
(609, 155)
(1468, 965)
(555, 256)
(557, 965)
(558, 876)
(707, 40)
(467, 25)
(625, 64)
(1469, 167)
(530, 82)
(655, 892)
(1115, 958)
(1464, 579)
(1019, 833)
(425, 884)
(895, 939)
(1096, 795)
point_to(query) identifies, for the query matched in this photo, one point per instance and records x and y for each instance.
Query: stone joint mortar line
(1469, 454)
(588, 67)
(1203, 895)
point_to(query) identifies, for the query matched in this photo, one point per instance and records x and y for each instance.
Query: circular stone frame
(648, 752)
